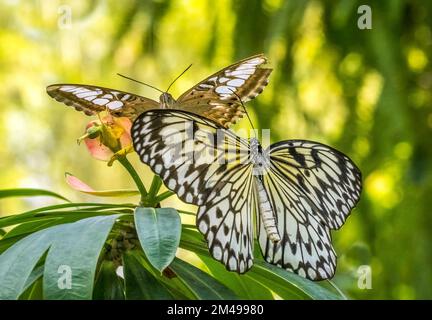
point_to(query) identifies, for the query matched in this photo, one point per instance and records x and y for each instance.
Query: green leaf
(71, 261)
(17, 263)
(55, 210)
(242, 285)
(276, 277)
(187, 213)
(33, 287)
(36, 274)
(140, 284)
(164, 196)
(285, 284)
(30, 227)
(34, 292)
(7, 243)
(200, 283)
(78, 214)
(108, 285)
(2, 232)
(27, 192)
(159, 233)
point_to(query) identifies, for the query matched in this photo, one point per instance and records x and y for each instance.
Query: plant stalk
(128, 166)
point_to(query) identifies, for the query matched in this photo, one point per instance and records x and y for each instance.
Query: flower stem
(154, 189)
(128, 166)
(164, 195)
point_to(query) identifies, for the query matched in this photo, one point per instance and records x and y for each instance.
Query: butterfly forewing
(186, 152)
(92, 99)
(328, 180)
(206, 170)
(217, 97)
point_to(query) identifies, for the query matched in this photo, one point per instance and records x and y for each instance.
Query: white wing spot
(256, 61)
(232, 263)
(224, 90)
(85, 94)
(90, 98)
(217, 252)
(235, 82)
(114, 105)
(203, 227)
(100, 102)
(67, 88)
(171, 184)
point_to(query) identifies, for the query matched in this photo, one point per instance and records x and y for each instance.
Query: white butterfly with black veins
(214, 97)
(297, 190)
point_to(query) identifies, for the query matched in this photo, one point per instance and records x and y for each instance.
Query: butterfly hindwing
(305, 245)
(312, 189)
(226, 220)
(92, 99)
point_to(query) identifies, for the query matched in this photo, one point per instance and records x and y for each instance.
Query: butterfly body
(215, 97)
(266, 212)
(297, 190)
(166, 101)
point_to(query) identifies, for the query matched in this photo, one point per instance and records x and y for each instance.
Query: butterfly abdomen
(266, 213)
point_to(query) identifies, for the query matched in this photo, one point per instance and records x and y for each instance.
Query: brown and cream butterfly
(216, 97)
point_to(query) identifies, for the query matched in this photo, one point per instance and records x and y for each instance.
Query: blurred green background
(365, 92)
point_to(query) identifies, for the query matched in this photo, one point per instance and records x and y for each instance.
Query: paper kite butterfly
(214, 97)
(296, 191)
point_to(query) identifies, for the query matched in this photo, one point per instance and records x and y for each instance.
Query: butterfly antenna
(178, 77)
(245, 110)
(148, 85)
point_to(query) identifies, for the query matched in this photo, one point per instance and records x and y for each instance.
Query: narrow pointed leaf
(159, 233)
(243, 285)
(71, 261)
(108, 286)
(79, 214)
(140, 284)
(204, 286)
(30, 227)
(29, 192)
(34, 292)
(18, 262)
(275, 276)
(36, 274)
